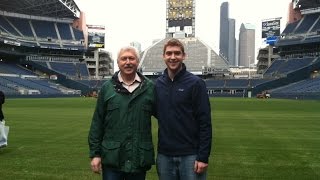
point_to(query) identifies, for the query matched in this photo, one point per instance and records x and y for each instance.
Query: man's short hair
(173, 42)
(129, 49)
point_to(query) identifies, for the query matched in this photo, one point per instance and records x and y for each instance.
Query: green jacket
(120, 131)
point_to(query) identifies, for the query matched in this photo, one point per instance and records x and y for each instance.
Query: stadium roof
(47, 8)
(306, 4)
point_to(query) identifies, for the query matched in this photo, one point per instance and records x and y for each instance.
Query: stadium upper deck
(42, 41)
(303, 28)
(47, 8)
(306, 4)
(46, 24)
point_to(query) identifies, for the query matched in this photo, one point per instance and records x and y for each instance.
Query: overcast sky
(144, 20)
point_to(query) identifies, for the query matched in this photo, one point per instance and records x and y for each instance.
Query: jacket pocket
(112, 116)
(112, 106)
(111, 153)
(146, 154)
(145, 120)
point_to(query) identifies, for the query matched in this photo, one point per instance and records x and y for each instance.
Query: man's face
(173, 57)
(128, 63)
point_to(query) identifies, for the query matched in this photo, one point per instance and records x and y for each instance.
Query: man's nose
(173, 56)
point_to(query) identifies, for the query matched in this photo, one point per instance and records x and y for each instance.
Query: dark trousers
(1, 113)
(109, 174)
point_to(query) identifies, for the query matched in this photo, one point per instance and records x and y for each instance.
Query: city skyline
(138, 21)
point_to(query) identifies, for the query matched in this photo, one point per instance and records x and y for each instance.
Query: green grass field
(253, 139)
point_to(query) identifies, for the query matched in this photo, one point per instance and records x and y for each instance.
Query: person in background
(120, 138)
(3, 129)
(2, 100)
(184, 117)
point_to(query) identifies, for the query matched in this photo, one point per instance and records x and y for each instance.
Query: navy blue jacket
(184, 116)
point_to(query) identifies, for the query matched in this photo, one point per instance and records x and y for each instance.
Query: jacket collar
(118, 86)
(178, 75)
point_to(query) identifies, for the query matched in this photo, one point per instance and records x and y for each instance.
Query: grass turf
(253, 139)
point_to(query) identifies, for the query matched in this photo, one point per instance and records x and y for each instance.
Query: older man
(120, 138)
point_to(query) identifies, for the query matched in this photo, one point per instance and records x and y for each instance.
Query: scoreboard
(96, 36)
(270, 28)
(180, 16)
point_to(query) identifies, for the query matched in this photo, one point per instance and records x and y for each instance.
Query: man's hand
(96, 165)
(200, 167)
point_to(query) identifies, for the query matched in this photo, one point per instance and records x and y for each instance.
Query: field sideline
(253, 139)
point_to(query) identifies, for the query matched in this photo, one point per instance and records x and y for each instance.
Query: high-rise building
(232, 42)
(180, 18)
(237, 53)
(224, 29)
(227, 42)
(246, 45)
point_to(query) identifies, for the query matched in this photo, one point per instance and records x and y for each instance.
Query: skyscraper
(246, 45)
(232, 42)
(227, 43)
(224, 29)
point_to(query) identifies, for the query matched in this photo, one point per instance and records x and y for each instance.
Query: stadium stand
(42, 49)
(295, 74)
(42, 54)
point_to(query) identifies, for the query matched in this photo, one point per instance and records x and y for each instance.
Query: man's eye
(125, 58)
(176, 53)
(168, 53)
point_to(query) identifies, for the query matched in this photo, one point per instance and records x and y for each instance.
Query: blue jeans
(178, 168)
(109, 174)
